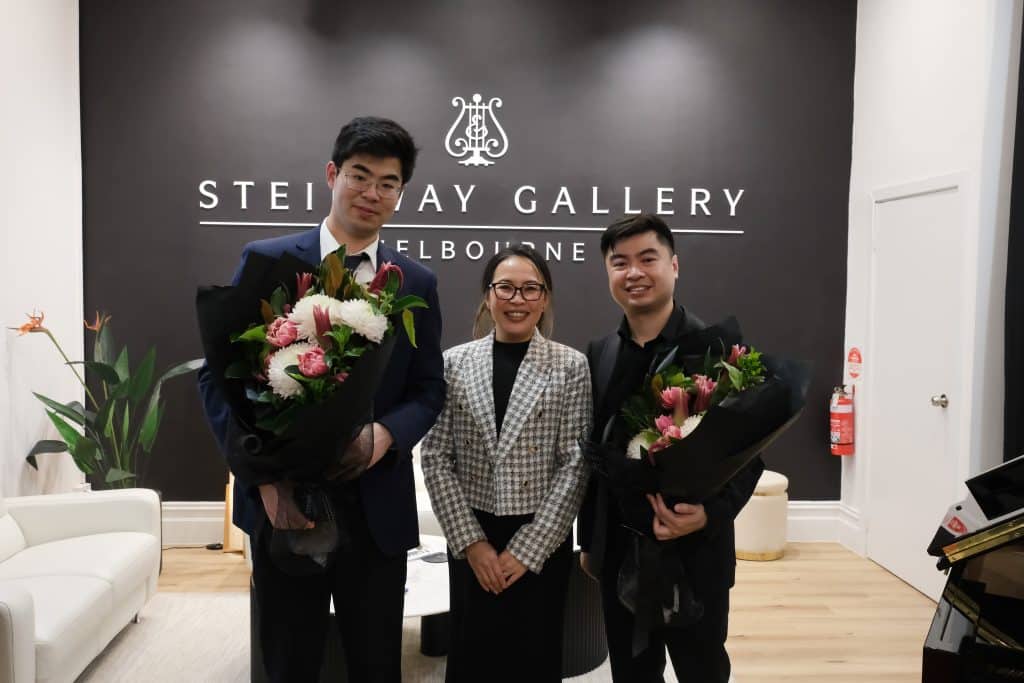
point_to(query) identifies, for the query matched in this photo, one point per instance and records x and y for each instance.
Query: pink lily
(736, 353)
(380, 280)
(303, 281)
(705, 387)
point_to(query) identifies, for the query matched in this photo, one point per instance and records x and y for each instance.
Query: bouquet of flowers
(706, 410)
(298, 356)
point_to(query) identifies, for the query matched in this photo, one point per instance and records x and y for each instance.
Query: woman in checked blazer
(505, 472)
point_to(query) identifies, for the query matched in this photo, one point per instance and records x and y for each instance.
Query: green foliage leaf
(70, 413)
(105, 418)
(332, 271)
(103, 347)
(105, 372)
(267, 311)
(121, 365)
(277, 301)
(45, 446)
(115, 475)
(143, 377)
(406, 302)
(409, 325)
(150, 425)
(257, 333)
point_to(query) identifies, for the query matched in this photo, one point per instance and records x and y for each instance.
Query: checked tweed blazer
(534, 466)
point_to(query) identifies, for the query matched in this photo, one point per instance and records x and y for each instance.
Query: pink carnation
(312, 363)
(282, 332)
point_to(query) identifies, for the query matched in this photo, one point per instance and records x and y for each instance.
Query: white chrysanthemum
(689, 424)
(359, 315)
(302, 314)
(638, 442)
(282, 384)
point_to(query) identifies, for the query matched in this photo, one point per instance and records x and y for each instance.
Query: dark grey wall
(720, 95)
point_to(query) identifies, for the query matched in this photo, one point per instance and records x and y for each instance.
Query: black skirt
(517, 634)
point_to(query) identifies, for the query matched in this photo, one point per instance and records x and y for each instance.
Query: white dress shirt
(366, 270)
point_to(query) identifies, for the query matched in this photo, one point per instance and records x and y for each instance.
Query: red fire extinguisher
(840, 421)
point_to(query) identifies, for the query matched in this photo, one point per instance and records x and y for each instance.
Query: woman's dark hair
(376, 137)
(483, 323)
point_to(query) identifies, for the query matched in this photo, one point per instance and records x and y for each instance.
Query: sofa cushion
(124, 559)
(69, 611)
(11, 538)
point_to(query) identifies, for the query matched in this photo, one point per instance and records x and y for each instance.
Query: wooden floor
(821, 613)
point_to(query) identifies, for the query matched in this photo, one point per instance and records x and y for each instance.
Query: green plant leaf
(257, 333)
(61, 409)
(67, 432)
(121, 365)
(105, 418)
(45, 446)
(154, 410)
(277, 301)
(90, 416)
(143, 377)
(105, 372)
(406, 302)
(150, 425)
(116, 475)
(410, 328)
(103, 347)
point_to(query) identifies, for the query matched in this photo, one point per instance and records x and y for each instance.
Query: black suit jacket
(709, 554)
(407, 403)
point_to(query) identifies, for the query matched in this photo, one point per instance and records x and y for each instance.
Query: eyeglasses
(386, 189)
(531, 291)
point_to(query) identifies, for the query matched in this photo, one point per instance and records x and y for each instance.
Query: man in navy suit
(372, 161)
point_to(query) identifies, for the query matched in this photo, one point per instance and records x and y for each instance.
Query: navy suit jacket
(408, 402)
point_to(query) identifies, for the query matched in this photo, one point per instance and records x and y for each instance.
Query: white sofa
(427, 520)
(75, 569)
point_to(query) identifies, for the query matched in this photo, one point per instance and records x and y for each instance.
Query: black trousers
(369, 593)
(698, 652)
(514, 636)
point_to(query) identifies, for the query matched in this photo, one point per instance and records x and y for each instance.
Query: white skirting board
(198, 523)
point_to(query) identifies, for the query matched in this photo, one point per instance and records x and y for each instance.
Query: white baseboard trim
(193, 523)
(852, 530)
(189, 523)
(813, 520)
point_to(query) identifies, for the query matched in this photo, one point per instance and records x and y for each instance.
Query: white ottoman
(761, 524)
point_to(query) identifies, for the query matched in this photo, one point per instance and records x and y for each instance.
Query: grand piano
(977, 633)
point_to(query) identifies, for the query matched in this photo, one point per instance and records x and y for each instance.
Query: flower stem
(67, 361)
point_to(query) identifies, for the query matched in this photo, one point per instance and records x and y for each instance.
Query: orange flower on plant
(34, 324)
(98, 324)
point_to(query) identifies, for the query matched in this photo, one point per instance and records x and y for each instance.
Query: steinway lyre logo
(470, 138)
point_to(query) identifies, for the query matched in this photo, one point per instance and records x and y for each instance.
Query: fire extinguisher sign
(854, 364)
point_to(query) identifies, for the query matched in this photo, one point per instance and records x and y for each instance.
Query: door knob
(940, 401)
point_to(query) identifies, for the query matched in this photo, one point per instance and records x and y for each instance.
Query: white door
(915, 355)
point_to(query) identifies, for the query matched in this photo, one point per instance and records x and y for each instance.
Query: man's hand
(683, 519)
(382, 441)
(484, 562)
(281, 510)
(511, 569)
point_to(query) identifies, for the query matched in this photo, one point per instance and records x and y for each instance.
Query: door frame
(961, 390)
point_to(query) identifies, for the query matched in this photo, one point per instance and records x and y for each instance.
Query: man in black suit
(372, 160)
(642, 267)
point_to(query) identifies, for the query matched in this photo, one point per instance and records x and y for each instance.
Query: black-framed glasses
(386, 189)
(506, 291)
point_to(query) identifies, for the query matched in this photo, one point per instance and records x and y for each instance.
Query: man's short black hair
(376, 137)
(636, 225)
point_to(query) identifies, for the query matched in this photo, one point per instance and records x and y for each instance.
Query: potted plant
(108, 436)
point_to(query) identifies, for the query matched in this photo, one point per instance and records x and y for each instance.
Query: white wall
(935, 89)
(41, 223)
